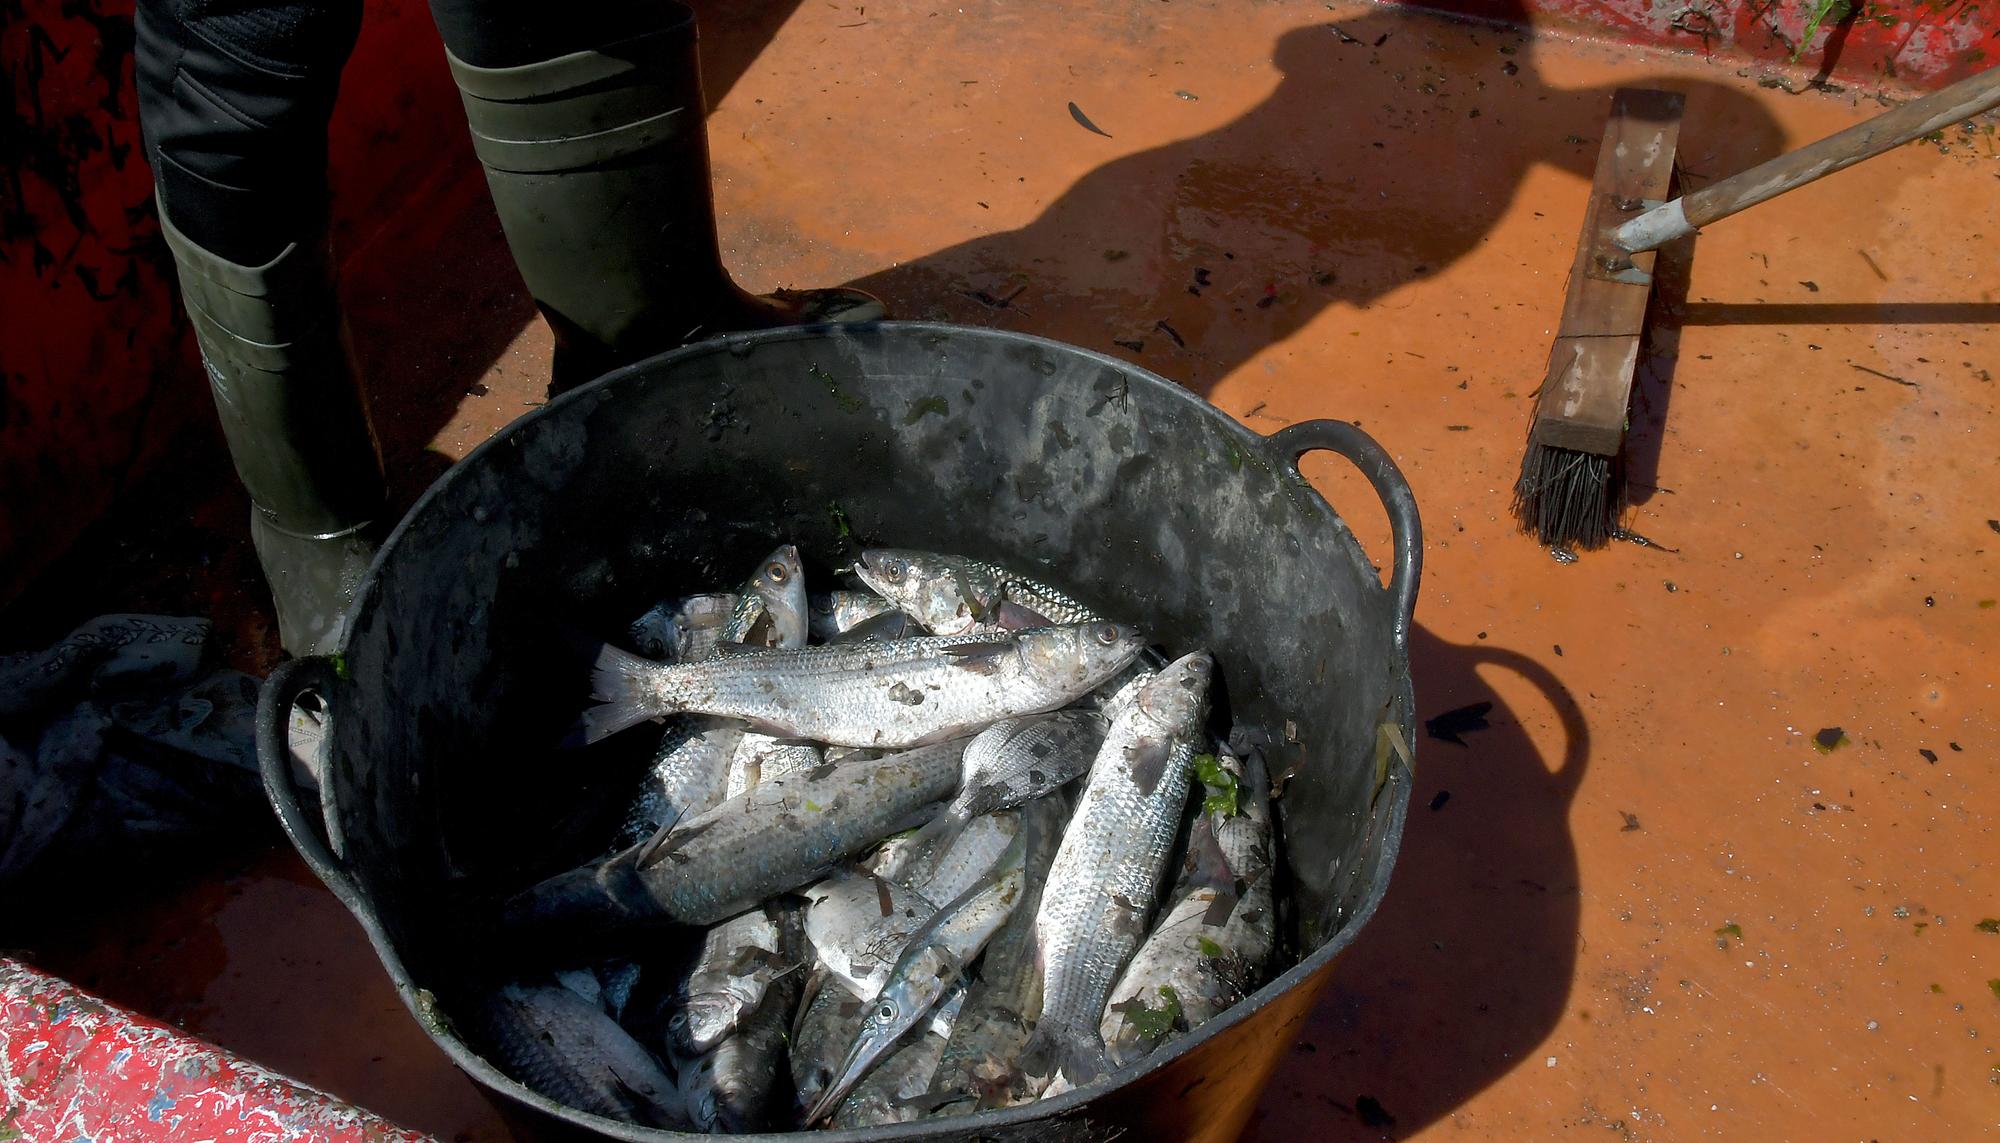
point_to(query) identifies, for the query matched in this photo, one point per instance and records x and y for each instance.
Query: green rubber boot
(283, 377)
(598, 165)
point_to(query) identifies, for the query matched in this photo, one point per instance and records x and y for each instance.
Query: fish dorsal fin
(1013, 617)
(663, 844)
(981, 658)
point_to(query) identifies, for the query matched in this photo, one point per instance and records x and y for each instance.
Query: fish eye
(887, 1012)
(777, 573)
(895, 570)
(1107, 633)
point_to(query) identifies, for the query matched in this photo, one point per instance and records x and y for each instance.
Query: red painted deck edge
(75, 1067)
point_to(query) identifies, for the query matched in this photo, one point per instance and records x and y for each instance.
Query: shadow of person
(1467, 966)
(1391, 147)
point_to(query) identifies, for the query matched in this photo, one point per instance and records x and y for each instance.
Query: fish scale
(687, 776)
(1036, 596)
(1105, 880)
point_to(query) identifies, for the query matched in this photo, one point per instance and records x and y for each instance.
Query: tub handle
(274, 757)
(1373, 460)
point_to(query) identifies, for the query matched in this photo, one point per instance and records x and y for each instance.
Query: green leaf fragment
(840, 525)
(1989, 925)
(1723, 934)
(1389, 744)
(1149, 1022)
(1209, 948)
(339, 662)
(1994, 984)
(1224, 794)
(812, 806)
(1822, 11)
(1937, 988)
(924, 407)
(851, 404)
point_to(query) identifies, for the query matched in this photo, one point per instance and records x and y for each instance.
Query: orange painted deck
(1641, 900)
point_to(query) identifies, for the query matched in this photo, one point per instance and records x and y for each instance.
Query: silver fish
(953, 595)
(780, 835)
(829, 1017)
(840, 611)
(857, 923)
(980, 1068)
(884, 629)
(771, 608)
(942, 874)
(894, 1092)
(890, 694)
(760, 756)
(1012, 762)
(679, 631)
(864, 923)
(1105, 880)
(733, 1089)
(739, 959)
(932, 961)
(566, 1048)
(688, 776)
(1212, 947)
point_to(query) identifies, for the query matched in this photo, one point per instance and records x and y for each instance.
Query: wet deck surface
(1639, 898)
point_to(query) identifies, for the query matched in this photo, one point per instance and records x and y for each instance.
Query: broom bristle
(1569, 499)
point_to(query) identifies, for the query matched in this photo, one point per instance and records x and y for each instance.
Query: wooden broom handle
(1836, 152)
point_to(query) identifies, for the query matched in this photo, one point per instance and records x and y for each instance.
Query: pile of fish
(920, 843)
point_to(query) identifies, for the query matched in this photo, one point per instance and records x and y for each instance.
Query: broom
(1571, 492)
(1572, 487)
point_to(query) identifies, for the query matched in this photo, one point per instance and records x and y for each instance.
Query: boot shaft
(282, 374)
(598, 165)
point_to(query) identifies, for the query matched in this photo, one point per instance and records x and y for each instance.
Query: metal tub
(445, 789)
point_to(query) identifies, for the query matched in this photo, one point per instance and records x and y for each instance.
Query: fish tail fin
(624, 686)
(1076, 1053)
(1040, 1056)
(928, 846)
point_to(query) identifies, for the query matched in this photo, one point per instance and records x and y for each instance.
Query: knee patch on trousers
(300, 39)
